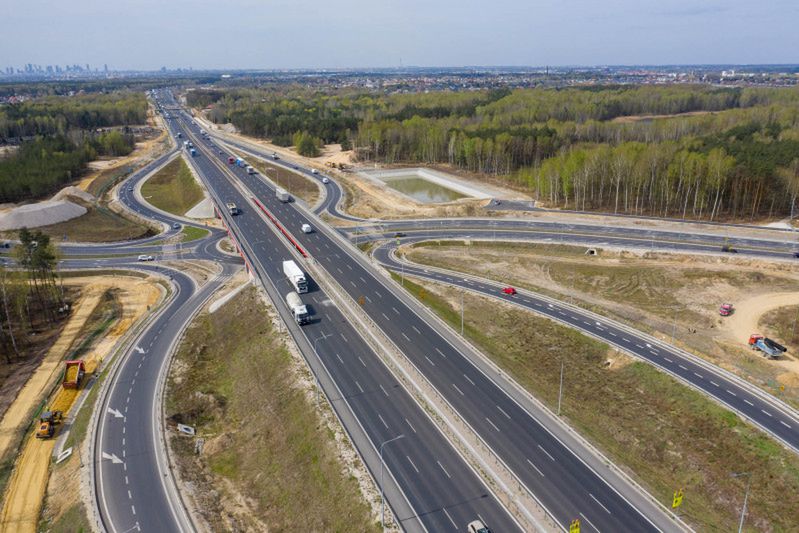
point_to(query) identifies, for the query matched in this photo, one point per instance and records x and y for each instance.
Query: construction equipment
(73, 375)
(725, 309)
(47, 423)
(769, 347)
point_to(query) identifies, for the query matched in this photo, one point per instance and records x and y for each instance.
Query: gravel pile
(40, 214)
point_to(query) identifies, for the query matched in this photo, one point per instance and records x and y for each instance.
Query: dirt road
(26, 488)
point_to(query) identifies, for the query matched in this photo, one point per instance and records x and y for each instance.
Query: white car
(477, 526)
(325, 180)
(306, 228)
(145, 258)
(314, 171)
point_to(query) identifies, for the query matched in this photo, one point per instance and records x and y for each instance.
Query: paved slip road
(559, 478)
(131, 489)
(441, 490)
(760, 408)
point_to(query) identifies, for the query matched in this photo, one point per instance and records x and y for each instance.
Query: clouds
(146, 34)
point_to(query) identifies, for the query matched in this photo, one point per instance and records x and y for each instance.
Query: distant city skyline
(307, 34)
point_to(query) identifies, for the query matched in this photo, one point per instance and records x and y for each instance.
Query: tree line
(31, 298)
(700, 151)
(54, 115)
(45, 164)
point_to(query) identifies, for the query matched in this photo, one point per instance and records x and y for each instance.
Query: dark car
(729, 249)
(796, 254)
(399, 235)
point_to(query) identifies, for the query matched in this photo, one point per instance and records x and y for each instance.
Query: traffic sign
(677, 500)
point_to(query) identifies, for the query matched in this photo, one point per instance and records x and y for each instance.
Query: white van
(306, 228)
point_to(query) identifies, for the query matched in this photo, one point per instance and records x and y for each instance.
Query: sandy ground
(26, 488)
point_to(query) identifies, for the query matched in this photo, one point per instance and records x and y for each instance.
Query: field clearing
(173, 188)
(268, 461)
(668, 296)
(664, 434)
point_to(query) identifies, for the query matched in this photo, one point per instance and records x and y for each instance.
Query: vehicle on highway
(477, 526)
(130, 189)
(399, 235)
(729, 249)
(274, 156)
(232, 209)
(176, 225)
(306, 228)
(221, 152)
(509, 290)
(250, 170)
(144, 257)
(314, 171)
(282, 195)
(5, 245)
(297, 308)
(231, 160)
(725, 309)
(327, 180)
(296, 276)
(796, 254)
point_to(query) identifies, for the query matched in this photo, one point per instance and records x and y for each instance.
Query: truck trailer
(296, 276)
(768, 346)
(282, 195)
(297, 308)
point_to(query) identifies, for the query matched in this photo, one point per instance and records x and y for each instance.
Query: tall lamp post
(318, 384)
(746, 497)
(382, 500)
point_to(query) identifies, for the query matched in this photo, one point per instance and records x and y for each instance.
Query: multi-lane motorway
(429, 485)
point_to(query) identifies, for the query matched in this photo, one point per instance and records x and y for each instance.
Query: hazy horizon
(349, 34)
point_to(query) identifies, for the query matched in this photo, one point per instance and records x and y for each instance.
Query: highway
(440, 490)
(132, 488)
(758, 407)
(559, 478)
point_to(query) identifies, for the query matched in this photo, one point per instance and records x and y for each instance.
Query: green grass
(667, 434)
(73, 520)
(297, 184)
(233, 381)
(173, 188)
(99, 224)
(191, 233)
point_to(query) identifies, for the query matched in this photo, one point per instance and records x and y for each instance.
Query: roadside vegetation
(784, 322)
(697, 152)
(98, 224)
(173, 188)
(190, 233)
(664, 434)
(59, 136)
(674, 298)
(297, 184)
(268, 461)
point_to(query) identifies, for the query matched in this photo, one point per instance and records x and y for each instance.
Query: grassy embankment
(298, 185)
(265, 444)
(659, 294)
(190, 233)
(173, 188)
(666, 434)
(784, 323)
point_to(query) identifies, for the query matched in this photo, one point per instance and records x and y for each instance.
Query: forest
(62, 137)
(698, 152)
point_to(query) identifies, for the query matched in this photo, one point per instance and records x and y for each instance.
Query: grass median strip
(666, 435)
(173, 188)
(264, 443)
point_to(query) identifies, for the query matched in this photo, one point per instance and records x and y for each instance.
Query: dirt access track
(25, 492)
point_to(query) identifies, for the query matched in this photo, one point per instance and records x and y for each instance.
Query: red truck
(725, 309)
(509, 290)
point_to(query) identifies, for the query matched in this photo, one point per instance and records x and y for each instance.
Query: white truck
(250, 170)
(297, 308)
(232, 209)
(282, 195)
(295, 276)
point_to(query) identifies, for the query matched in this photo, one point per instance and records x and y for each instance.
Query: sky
(276, 34)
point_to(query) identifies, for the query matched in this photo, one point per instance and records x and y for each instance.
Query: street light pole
(318, 384)
(560, 391)
(461, 312)
(746, 498)
(382, 500)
